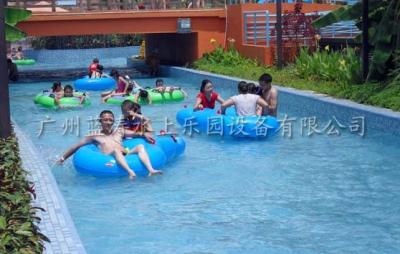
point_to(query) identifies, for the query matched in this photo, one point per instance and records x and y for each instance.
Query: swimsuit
(208, 103)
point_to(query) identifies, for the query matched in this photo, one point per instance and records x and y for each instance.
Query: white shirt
(245, 104)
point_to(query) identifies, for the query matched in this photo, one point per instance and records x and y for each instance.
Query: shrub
(86, 41)
(230, 57)
(19, 232)
(343, 66)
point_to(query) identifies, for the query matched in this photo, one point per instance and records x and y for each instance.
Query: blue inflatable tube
(94, 84)
(209, 122)
(90, 160)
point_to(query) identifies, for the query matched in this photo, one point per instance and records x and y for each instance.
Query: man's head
(159, 82)
(242, 87)
(265, 81)
(68, 91)
(106, 120)
(95, 60)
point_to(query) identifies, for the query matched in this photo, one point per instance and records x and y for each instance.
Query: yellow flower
(342, 62)
(212, 41)
(327, 47)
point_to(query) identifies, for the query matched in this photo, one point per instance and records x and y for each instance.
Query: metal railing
(102, 5)
(348, 2)
(344, 29)
(259, 29)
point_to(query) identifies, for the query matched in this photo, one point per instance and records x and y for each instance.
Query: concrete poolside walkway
(56, 222)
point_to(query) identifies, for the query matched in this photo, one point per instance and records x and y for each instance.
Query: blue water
(318, 194)
(57, 59)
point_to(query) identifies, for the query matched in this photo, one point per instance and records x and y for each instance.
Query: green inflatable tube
(156, 98)
(46, 101)
(24, 61)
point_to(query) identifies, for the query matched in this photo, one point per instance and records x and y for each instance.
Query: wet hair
(19, 48)
(95, 60)
(266, 78)
(114, 73)
(56, 85)
(136, 108)
(159, 80)
(129, 89)
(252, 88)
(143, 94)
(126, 106)
(203, 84)
(68, 87)
(242, 87)
(100, 67)
(106, 112)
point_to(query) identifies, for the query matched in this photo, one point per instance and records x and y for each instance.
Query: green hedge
(19, 232)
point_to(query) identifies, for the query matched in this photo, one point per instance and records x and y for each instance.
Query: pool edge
(380, 118)
(56, 222)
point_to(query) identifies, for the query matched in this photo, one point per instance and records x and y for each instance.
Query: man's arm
(262, 103)
(226, 104)
(73, 149)
(273, 99)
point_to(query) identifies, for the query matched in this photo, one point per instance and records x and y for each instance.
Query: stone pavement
(56, 222)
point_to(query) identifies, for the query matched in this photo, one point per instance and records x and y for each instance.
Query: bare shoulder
(274, 91)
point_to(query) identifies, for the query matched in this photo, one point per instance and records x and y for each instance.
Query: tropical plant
(296, 26)
(12, 17)
(297, 31)
(229, 57)
(342, 67)
(19, 231)
(384, 30)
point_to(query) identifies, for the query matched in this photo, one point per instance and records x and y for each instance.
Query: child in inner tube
(133, 120)
(167, 89)
(57, 91)
(93, 66)
(68, 93)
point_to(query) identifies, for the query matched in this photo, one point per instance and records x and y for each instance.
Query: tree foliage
(384, 30)
(12, 17)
